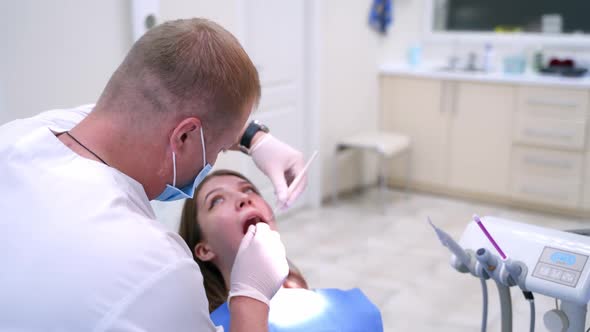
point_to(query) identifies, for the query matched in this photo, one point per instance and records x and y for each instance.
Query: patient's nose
(243, 200)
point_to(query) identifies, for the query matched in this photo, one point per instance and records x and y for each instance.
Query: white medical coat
(80, 249)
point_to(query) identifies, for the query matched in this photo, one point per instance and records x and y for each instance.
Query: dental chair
(318, 310)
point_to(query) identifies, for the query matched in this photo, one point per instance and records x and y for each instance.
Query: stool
(386, 144)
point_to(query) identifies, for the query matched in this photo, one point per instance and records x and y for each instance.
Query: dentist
(79, 244)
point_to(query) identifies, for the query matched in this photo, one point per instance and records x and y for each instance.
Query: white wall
(61, 53)
(58, 53)
(223, 12)
(349, 86)
(406, 28)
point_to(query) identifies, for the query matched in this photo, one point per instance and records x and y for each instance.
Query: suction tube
(484, 315)
(491, 265)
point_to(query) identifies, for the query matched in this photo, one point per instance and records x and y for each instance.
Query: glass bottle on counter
(488, 58)
(537, 60)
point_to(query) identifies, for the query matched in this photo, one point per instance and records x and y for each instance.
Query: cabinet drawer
(551, 133)
(547, 177)
(547, 163)
(552, 103)
(552, 192)
(552, 117)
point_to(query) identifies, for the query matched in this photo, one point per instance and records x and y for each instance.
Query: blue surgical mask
(171, 193)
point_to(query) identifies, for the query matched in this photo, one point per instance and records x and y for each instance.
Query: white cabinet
(551, 117)
(479, 143)
(549, 145)
(454, 130)
(413, 107)
(545, 176)
(523, 144)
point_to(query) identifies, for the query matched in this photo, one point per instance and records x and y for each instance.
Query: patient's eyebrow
(241, 183)
(244, 183)
(209, 193)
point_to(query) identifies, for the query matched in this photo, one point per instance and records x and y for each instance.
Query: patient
(213, 224)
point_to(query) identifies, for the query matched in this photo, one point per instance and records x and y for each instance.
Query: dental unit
(538, 260)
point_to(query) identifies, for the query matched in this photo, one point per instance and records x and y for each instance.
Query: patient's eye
(214, 201)
(250, 190)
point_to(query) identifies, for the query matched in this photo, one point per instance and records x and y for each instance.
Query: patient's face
(227, 206)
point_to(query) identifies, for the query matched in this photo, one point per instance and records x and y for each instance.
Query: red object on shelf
(567, 63)
(555, 62)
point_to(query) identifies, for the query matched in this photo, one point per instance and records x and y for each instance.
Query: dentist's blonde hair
(189, 67)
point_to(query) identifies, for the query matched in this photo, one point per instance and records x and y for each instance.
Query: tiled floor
(393, 255)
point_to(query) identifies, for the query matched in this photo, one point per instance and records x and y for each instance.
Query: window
(536, 16)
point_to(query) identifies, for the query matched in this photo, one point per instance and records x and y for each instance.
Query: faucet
(453, 62)
(471, 62)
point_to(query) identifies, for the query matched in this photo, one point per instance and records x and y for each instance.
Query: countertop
(493, 77)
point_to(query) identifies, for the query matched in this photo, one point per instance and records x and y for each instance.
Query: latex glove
(260, 267)
(281, 163)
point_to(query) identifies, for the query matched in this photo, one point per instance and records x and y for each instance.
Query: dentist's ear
(182, 130)
(203, 252)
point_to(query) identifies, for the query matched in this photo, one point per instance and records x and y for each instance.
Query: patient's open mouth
(252, 221)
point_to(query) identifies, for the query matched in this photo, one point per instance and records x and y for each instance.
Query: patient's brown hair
(190, 231)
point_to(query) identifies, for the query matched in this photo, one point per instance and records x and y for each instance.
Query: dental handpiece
(447, 241)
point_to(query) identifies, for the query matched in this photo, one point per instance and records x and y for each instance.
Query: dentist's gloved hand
(281, 163)
(260, 267)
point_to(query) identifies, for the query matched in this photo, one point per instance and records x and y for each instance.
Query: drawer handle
(537, 192)
(552, 103)
(547, 134)
(561, 164)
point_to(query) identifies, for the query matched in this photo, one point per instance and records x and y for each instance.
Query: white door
(272, 32)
